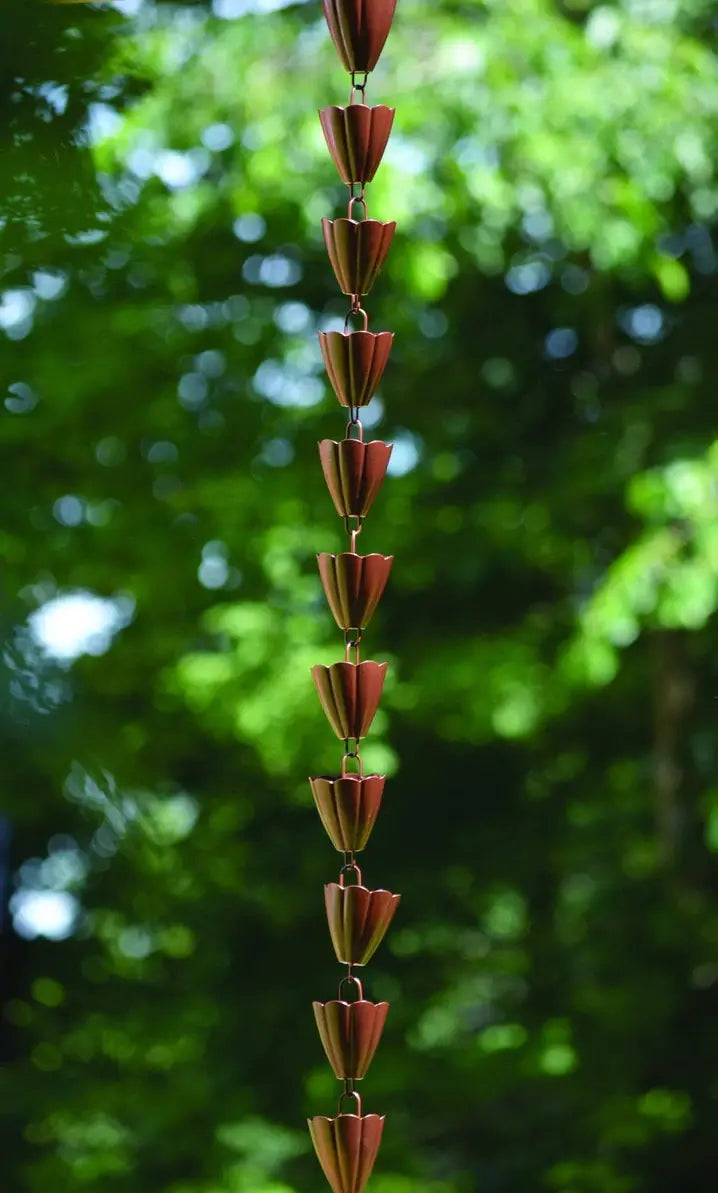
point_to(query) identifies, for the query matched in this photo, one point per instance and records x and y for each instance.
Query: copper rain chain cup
(350, 1032)
(350, 694)
(354, 473)
(353, 585)
(355, 363)
(349, 802)
(359, 29)
(356, 137)
(348, 808)
(358, 920)
(357, 250)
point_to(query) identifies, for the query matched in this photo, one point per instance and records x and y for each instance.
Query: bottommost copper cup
(346, 1148)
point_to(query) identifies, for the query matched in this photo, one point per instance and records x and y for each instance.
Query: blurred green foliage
(549, 722)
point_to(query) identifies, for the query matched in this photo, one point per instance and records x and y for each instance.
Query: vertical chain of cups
(350, 1026)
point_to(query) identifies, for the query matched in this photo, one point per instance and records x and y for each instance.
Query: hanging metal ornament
(358, 917)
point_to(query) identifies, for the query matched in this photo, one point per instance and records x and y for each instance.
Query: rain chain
(350, 1026)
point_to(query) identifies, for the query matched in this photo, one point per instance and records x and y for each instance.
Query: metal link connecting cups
(348, 804)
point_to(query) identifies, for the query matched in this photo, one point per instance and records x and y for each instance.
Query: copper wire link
(350, 868)
(358, 87)
(356, 756)
(356, 308)
(352, 645)
(350, 1093)
(360, 198)
(353, 532)
(351, 753)
(350, 977)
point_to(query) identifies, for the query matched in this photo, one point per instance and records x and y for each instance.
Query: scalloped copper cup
(358, 920)
(350, 694)
(359, 29)
(357, 250)
(350, 1033)
(348, 808)
(346, 1148)
(353, 585)
(356, 137)
(354, 472)
(355, 363)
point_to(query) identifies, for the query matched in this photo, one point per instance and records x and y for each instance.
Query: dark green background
(549, 725)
